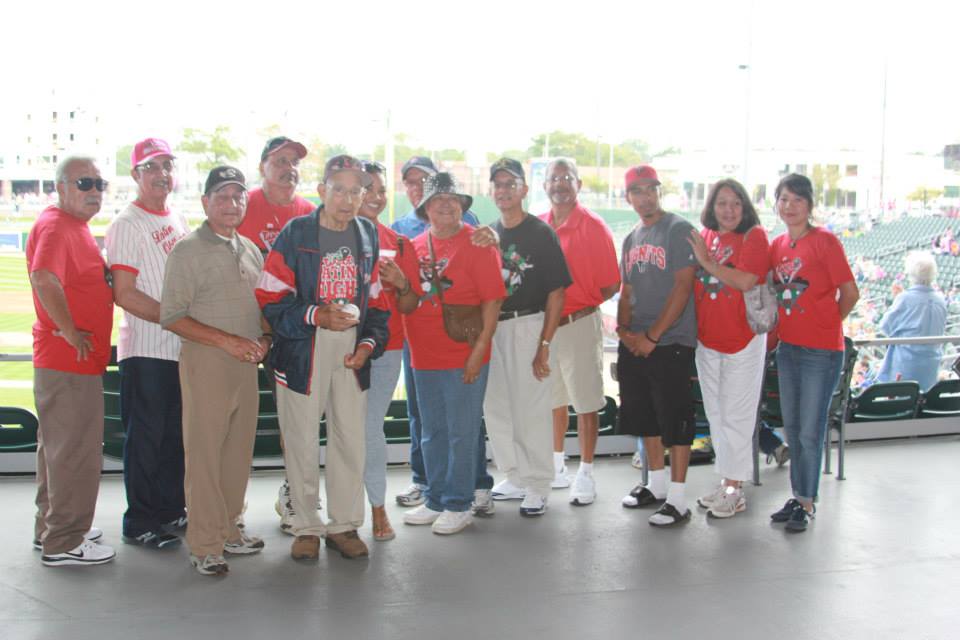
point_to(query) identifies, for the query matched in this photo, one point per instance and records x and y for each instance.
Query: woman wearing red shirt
(733, 252)
(451, 377)
(816, 291)
(398, 270)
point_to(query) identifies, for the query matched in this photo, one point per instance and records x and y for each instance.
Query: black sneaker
(154, 540)
(784, 514)
(177, 524)
(798, 520)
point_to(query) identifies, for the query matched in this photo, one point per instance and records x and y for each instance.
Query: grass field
(16, 318)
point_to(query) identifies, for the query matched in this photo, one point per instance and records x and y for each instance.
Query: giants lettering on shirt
(647, 254)
(338, 277)
(166, 238)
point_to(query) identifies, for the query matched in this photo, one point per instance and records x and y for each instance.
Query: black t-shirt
(533, 264)
(338, 266)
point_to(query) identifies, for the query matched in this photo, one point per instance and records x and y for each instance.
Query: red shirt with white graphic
(63, 245)
(807, 276)
(469, 275)
(721, 313)
(399, 249)
(263, 220)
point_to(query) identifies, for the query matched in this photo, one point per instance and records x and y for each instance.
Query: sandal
(382, 531)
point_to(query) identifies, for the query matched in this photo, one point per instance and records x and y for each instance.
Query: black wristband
(647, 336)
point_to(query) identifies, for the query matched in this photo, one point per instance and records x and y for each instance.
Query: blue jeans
(451, 415)
(384, 372)
(808, 378)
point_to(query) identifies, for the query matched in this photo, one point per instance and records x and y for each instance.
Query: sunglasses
(85, 184)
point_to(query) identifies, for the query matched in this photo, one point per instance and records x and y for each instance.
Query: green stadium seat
(18, 430)
(941, 400)
(886, 401)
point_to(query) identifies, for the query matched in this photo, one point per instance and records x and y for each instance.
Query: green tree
(213, 147)
(924, 195)
(594, 184)
(122, 162)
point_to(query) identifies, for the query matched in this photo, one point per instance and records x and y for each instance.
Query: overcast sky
(486, 76)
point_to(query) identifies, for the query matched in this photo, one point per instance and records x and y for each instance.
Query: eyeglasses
(513, 185)
(85, 184)
(153, 167)
(564, 178)
(410, 182)
(342, 192)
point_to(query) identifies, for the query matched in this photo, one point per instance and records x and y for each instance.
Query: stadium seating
(886, 401)
(941, 400)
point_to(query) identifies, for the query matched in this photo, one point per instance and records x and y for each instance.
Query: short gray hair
(567, 163)
(66, 162)
(921, 267)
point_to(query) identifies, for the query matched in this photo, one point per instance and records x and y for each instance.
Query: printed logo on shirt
(711, 285)
(426, 278)
(788, 286)
(514, 265)
(268, 236)
(166, 237)
(645, 254)
(338, 277)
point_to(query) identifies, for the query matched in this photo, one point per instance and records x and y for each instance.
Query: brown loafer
(382, 531)
(305, 548)
(348, 544)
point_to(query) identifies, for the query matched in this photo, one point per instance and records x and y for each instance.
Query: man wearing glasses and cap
(208, 300)
(71, 348)
(269, 208)
(138, 242)
(328, 322)
(414, 174)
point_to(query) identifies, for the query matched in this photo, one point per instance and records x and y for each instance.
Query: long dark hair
(708, 218)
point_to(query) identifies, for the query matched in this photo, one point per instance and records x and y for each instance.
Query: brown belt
(576, 315)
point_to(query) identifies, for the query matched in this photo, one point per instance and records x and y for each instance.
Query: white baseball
(352, 309)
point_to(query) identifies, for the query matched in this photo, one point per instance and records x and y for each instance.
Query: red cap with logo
(642, 174)
(148, 149)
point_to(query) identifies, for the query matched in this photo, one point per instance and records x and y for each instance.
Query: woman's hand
(391, 274)
(700, 251)
(471, 369)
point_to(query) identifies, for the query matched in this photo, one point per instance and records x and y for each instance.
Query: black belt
(510, 315)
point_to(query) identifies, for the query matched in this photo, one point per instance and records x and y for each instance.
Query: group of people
(496, 325)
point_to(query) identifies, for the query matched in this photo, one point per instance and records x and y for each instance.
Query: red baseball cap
(643, 173)
(148, 149)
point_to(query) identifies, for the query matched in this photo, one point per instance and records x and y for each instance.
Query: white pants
(731, 384)
(517, 408)
(334, 390)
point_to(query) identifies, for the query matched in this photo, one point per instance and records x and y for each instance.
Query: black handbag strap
(434, 274)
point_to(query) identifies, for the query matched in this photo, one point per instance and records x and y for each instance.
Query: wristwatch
(544, 343)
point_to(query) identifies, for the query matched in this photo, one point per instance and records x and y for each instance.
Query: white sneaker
(730, 503)
(421, 515)
(86, 552)
(92, 536)
(583, 491)
(712, 498)
(210, 565)
(412, 496)
(451, 522)
(637, 460)
(506, 490)
(533, 504)
(245, 546)
(482, 503)
(560, 479)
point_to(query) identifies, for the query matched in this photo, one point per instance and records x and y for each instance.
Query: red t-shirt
(63, 245)
(263, 221)
(806, 278)
(406, 258)
(587, 245)
(721, 314)
(469, 275)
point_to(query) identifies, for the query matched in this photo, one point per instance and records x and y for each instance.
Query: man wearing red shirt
(71, 348)
(587, 245)
(269, 208)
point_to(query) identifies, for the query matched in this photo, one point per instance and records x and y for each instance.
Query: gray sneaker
(482, 506)
(210, 565)
(246, 545)
(412, 496)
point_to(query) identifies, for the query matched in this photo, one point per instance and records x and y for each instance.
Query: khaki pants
(220, 402)
(69, 456)
(334, 390)
(518, 408)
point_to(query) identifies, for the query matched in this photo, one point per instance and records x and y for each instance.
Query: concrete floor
(880, 561)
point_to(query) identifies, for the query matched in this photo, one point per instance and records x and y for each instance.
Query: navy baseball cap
(423, 163)
(511, 166)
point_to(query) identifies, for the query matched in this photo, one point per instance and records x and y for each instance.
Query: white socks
(586, 468)
(558, 459)
(657, 483)
(676, 495)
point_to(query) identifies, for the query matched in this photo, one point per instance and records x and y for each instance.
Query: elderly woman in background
(733, 253)
(918, 311)
(398, 270)
(450, 376)
(815, 291)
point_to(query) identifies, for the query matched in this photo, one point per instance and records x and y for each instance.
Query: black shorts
(656, 397)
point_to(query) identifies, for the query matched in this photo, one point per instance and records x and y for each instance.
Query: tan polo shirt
(210, 280)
